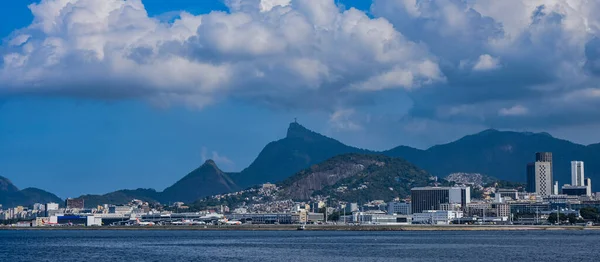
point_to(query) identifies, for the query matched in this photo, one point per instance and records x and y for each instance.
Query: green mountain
(300, 149)
(356, 178)
(206, 180)
(11, 196)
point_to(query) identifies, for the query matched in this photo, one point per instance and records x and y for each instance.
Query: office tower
(577, 175)
(430, 198)
(530, 177)
(555, 188)
(543, 157)
(543, 173)
(543, 178)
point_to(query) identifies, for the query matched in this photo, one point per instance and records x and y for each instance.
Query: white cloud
(517, 110)
(486, 62)
(342, 120)
(274, 52)
(219, 159)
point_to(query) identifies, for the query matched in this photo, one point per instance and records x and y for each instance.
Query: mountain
(121, 197)
(206, 180)
(503, 155)
(357, 178)
(11, 196)
(300, 149)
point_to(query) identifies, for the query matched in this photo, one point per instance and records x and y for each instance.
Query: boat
(301, 227)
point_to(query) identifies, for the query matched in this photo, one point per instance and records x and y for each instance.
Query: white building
(376, 217)
(51, 206)
(577, 174)
(400, 208)
(436, 217)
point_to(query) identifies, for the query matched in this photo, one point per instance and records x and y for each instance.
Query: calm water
(298, 246)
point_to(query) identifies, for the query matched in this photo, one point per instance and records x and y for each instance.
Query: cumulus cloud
(342, 120)
(219, 159)
(468, 62)
(486, 62)
(495, 54)
(275, 52)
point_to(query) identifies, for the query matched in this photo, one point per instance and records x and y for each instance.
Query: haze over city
(97, 96)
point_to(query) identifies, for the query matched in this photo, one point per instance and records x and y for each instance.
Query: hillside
(300, 149)
(356, 177)
(503, 155)
(121, 197)
(11, 196)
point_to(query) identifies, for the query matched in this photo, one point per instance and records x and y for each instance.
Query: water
(298, 246)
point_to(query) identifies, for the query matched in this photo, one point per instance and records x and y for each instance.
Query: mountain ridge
(491, 152)
(11, 196)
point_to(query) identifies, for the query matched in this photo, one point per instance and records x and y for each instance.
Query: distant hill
(11, 196)
(206, 180)
(356, 178)
(300, 149)
(121, 197)
(503, 155)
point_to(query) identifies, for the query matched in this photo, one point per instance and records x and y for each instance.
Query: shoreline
(315, 228)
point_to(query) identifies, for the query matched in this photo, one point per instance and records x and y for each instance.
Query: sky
(100, 95)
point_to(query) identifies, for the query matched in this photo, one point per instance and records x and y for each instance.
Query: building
(376, 217)
(543, 157)
(539, 174)
(120, 210)
(575, 190)
(543, 178)
(430, 198)
(511, 194)
(588, 184)
(577, 175)
(436, 217)
(530, 177)
(74, 203)
(51, 206)
(399, 208)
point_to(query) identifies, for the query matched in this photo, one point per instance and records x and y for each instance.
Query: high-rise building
(543, 157)
(577, 175)
(539, 175)
(543, 178)
(430, 198)
(530, 177)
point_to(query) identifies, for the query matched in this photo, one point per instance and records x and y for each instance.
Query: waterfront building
(528, 208)
(577, 174)
(120, 210)
(400, 208)
(430, 198)
(436, 217)
(376, 217)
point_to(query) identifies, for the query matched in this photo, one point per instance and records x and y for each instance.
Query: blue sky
(75, 146)
(92, 104)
